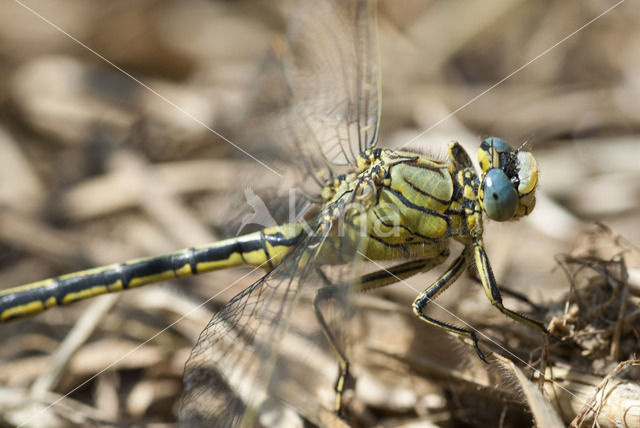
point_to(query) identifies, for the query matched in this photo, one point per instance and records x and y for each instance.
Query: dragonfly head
(509, 180)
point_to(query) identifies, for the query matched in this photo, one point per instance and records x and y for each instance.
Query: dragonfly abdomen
(265, 248)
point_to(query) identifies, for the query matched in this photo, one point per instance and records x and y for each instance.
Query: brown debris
(95, 169)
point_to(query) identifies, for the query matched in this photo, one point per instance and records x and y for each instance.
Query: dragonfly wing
(227, 375)
(317, 95)
(331, 66)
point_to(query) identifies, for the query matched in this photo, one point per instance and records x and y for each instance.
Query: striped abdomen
(265, 248)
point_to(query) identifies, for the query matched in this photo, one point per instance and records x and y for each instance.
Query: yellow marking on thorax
(404, 212)
(422, 223)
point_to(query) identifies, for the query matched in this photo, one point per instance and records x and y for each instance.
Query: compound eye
(500, 199)
(497, 143)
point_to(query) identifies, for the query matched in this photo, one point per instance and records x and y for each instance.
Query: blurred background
(99, 164)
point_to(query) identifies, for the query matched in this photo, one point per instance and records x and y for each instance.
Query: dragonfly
(388, 205)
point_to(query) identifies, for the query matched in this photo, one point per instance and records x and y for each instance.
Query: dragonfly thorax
(407, 204)
(397, 204)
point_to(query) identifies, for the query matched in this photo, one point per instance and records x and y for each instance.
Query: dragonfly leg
(344, 377)
(431, 292)
(506, 291)
(493, 292)
(370, 281)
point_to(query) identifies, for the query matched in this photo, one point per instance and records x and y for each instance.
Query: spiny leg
(506, 291)
(493, 293)
(370, 281)
(344, 376)
(431, 292)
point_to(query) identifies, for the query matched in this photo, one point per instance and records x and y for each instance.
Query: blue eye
(500, 198)
(498, 143)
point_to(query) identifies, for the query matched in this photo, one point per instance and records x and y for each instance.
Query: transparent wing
(328, 111)
(331, 66)
(227, 376)
(317, 95)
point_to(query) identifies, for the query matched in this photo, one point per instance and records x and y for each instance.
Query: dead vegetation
(96, 169)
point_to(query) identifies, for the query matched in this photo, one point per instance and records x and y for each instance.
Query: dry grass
(95, 169)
